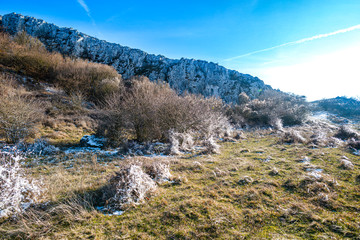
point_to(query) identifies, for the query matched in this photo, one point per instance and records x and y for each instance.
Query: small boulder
(274, 172)
(346, 164)
(245, 180)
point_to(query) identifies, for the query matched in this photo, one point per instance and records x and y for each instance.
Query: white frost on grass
(16, 191)
(79, 150)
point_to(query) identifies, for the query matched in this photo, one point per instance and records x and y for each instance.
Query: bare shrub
(269, 109)
(354, 143)
(131, 185)
(151, 111)
(94, 79)
(31, 43)
(18, 116)
(17, 192)
(345, 133)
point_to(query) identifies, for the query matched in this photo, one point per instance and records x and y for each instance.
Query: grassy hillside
(255, 189)
(261, 169)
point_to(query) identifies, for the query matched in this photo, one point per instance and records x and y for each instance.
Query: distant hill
(343, 106)
(194, 76)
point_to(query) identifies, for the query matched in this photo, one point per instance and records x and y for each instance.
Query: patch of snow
(108, 212)
(53, 90)
(315, 175)
(116, 213)
(80, 150)
(92, 141)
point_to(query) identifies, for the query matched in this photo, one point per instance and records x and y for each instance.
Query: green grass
(208, 203)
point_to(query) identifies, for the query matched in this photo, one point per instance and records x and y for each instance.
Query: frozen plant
(276, 123)
(17, 192)
(187, 141)
(211, 145)
(131, 185)
(159, 171)
(174, 144)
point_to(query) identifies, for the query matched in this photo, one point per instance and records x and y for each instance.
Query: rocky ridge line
(194, 76)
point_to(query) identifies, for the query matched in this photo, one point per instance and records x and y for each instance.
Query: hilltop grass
(205, 201)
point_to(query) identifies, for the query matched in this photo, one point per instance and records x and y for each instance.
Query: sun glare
(322, 76)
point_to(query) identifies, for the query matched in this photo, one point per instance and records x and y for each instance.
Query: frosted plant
(131, 186)
(276, 123)
(187, 143)
(211, 145)
(159, 171)
(174, 144)
(181, 142)
(16, 191)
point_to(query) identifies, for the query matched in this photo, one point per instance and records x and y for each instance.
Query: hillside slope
(342, 106)
(194, 76)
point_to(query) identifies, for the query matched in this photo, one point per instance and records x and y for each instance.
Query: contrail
(87, 10)
(85, 7)
(353, 28)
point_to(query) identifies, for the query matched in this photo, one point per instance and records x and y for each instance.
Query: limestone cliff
(190, 75)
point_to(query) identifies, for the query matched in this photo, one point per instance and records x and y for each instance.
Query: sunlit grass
(208, 202)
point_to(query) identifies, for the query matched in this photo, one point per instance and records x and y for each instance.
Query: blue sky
(313, 46)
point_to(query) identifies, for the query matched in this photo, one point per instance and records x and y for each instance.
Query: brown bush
(272, 108)
(18, 115)
(27, 55)
(150, 110)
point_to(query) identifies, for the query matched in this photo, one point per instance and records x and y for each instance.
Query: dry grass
(205, 199)
(26, 55)
(19, 112)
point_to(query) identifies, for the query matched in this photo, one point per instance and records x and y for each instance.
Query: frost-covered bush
(159, 171)
(136, 180)
(181, 142)
(41, 146)
(131, 185)
(211, 146)
(17, 192)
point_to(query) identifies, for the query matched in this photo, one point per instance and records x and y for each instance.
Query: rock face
(194, 76)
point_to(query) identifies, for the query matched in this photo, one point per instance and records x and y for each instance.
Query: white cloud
(84, 6)
(325, 76)
(356, 27)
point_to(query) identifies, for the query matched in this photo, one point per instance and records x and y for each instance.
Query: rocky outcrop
(194, 76)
